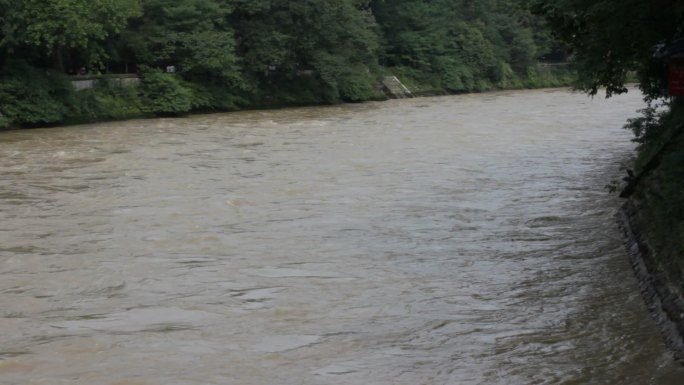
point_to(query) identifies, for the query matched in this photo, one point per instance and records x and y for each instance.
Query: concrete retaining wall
(87, 82)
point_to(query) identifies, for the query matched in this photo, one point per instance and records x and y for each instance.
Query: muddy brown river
(456, 240)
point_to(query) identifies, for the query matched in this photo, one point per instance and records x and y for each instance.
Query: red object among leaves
(676, 79)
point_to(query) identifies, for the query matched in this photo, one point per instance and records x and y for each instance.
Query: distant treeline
(203, 55)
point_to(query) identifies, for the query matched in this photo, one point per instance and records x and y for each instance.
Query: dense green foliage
(462, 45)
(324, 49)
(30, 96)
(223, 54)
(165, 94)
(106, 101)
(609, 39)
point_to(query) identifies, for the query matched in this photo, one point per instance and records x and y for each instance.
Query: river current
(450, 240)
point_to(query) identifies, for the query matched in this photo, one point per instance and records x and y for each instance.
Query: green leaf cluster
(165, 94)
(31, 96)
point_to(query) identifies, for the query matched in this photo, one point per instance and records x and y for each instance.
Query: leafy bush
(539, 76)
(509, 79)
(357, 85)
(165, 94)
(213, 97)
(454, 75)
(105, 101)
(33, 97)
(649, 125)
(4, 122)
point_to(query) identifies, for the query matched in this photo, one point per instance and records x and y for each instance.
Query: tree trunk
(57, 58)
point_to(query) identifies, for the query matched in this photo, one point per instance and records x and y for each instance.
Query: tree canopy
(608, 39)
(466, 44)
(219, 54)
(53, 25)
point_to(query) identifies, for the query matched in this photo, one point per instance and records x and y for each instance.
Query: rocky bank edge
(664, 304)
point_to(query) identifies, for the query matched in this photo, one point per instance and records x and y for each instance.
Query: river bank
(662, 299)
(653, 223)
(49, 99)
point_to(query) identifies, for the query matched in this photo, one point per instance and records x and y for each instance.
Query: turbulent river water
(448, 240)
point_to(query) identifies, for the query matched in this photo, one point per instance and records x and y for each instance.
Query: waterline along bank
(653, 218)
(88, 99)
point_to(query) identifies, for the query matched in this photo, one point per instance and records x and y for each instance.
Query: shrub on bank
(541, 76)
(36, 97)
(165, 93)
(357, 85)
(105, 101)
(4, 122)
(211, 97)
(33, 97)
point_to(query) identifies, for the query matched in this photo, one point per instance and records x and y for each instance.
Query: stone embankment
(86, 82)
(661, 298)
(395, 89)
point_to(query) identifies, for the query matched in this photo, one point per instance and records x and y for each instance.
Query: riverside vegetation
(231, 54)
(609, 40)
